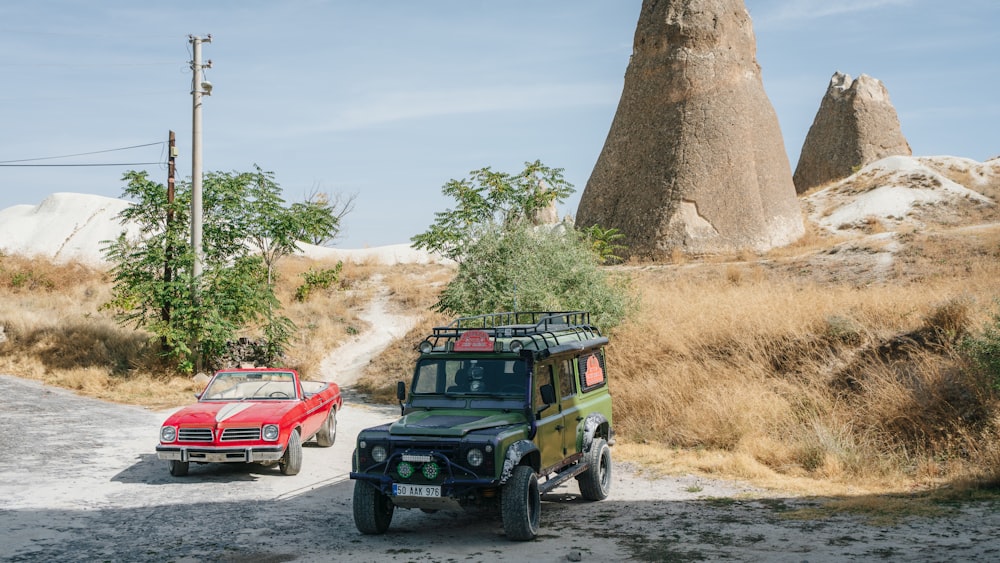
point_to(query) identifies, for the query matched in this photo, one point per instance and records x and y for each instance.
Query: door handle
(560, 427)
(579, 418)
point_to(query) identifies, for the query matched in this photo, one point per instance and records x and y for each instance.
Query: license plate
(405, 490)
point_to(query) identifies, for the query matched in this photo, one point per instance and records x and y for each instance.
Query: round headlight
(379, 453)
(168, 434)
(475, 457)
(270, 432)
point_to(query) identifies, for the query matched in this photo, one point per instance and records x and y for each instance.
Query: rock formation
(856, 125)
(694, 159)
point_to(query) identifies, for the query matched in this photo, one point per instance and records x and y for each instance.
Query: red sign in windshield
(474, 341)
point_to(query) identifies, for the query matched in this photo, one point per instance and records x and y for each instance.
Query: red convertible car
(259, 415)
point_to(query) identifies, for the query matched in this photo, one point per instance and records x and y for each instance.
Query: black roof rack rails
(537, 326)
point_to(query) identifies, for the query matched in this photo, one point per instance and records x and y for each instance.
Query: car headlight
(168, 434)
(270, 432)
(379, 454)
(475, 457)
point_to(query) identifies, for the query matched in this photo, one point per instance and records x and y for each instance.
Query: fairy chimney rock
(856, 125)
(694, 159)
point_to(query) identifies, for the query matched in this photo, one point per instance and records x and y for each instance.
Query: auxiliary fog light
(475, 457)
(516, 345)
(379, 454)
(405, 469)
(430, 470)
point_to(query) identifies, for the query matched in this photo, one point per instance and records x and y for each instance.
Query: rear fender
(596, 425)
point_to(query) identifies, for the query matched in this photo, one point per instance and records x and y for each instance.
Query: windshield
(463, 376)
(229, 386)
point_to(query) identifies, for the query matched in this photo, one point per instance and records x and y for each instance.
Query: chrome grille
(194, 434)
(234, 434)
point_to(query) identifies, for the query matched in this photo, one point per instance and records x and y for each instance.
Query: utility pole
(168, 273)
(199, 87)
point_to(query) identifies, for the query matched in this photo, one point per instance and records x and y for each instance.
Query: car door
(568, 405)
(549, 424)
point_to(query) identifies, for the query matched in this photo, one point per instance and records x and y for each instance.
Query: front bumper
(209, 454)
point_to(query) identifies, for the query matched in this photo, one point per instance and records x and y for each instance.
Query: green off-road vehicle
(502, 408)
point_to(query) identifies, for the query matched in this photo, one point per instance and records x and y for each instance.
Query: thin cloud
(405, 106)
(799, 10)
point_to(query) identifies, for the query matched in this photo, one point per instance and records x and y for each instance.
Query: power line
(86, 164)
(8, 162)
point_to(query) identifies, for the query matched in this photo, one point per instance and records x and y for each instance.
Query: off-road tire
(521, 504)
(595, 482)
(372, 509)
(327, 433)
(291, 462)
(178, 468)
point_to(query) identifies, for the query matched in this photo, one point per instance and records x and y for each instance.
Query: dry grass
(733, 370)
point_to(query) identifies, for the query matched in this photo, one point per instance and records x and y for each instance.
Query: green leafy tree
(535, 269)
(246, 230)
(491, 199)
(604, 243)
(506, 262)
(323, 214)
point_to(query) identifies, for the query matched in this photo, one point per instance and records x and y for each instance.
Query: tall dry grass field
(756, 372)
(55, 331)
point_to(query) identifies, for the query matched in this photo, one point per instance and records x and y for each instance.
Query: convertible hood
(452, 422)
(252, 413)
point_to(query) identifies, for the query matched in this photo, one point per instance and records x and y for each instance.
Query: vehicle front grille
(236, 434)
(194, 434)
(450, 449)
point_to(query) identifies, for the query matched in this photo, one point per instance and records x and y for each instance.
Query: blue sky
(391, 99)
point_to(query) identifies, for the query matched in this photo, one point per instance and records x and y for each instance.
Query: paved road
(79, 482)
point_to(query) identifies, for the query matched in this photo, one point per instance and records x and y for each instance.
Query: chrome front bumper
(204, 454)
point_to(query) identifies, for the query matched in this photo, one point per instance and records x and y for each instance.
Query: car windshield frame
(474, 377)
(251, 386)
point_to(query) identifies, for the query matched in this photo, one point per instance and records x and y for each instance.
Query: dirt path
(346, 363)
(79, 481)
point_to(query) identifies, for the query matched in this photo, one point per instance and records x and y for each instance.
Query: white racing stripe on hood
(230, 410)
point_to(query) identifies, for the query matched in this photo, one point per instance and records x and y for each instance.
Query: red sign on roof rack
(474, 341)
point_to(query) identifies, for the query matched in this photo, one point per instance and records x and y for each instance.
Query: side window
(543, 375)
(566, 378)
(591, 370)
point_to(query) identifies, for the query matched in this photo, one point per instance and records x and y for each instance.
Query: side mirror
(401, 396)
(548, 394)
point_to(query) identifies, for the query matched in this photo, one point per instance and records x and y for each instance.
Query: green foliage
(321, 214)
(488, 200)
(318, 279)
(604, 243)
(984, 349)
(246, 230)
(506, 262)
(526, 268)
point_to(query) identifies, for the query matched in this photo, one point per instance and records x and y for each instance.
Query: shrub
(984, 349)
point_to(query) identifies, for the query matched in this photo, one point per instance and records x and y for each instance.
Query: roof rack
(536, 326)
